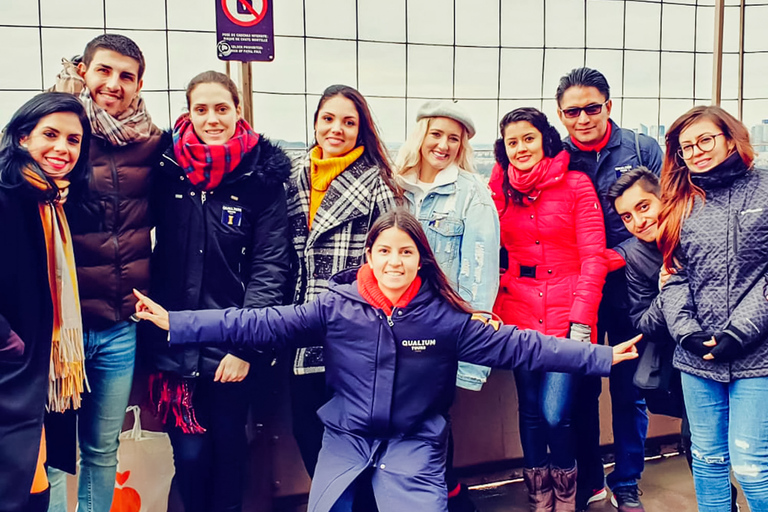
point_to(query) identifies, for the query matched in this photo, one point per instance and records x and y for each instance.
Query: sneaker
(596, 495)
(626, 499)
(461, 502)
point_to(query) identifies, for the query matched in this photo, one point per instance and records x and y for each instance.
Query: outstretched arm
(256, 328)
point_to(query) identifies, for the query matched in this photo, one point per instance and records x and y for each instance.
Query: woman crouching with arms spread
(393, 333)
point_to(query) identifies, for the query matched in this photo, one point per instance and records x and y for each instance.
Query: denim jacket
(462, 226)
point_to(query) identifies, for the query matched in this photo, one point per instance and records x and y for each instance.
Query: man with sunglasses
(604, 151)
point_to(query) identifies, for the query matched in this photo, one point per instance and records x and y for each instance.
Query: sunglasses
(590, 110)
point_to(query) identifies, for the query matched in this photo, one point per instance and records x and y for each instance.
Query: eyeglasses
(705, 143)
(590, 110)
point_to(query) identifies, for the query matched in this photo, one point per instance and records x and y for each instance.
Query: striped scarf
(206, 164)
(66, 375)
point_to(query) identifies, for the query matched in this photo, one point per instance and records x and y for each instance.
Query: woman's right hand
(627, 350)
(147, 309)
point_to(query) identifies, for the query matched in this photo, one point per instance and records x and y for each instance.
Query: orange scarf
(368, 287)
(66, 377)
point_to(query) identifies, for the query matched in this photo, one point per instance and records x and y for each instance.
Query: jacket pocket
(444, 235)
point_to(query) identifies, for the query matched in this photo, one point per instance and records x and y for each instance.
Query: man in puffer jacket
(604, 151)
(110, 230)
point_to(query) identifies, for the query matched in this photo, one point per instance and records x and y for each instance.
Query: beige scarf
(133, 125)
(66, 375)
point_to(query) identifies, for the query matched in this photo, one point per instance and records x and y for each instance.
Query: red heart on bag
(121, 478)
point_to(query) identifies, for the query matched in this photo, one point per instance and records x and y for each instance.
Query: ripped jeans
(729, 429)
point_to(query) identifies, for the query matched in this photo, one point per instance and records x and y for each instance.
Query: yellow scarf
(323, 172)
(66, 376)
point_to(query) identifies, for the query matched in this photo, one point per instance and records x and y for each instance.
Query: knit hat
(449, 110)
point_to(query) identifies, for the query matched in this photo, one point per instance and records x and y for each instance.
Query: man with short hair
(110, 231)
(604, 151)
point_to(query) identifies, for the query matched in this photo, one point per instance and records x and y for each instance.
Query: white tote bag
(144, 469)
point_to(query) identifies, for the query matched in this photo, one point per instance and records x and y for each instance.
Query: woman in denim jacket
(455, 208)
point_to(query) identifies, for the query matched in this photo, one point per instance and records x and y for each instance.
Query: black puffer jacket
(228, 247)
(723, 282)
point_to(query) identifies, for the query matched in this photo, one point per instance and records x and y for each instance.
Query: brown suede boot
(564, 484)
(539, 482)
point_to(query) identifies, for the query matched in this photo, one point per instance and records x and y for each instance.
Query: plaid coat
(354, 200)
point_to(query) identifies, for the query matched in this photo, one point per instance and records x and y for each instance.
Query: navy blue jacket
(227, 247)
(723, 283)
(392, 378)
(604, 168)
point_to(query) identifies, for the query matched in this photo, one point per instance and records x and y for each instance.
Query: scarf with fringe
(66, 376)
(133, 125)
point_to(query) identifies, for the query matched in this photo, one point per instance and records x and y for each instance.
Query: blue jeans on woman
(545, 402)
(729, 429)
(109, 361)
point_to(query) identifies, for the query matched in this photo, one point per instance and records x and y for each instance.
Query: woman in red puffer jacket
(552, 229)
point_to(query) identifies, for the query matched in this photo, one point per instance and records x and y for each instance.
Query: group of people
(384, 282)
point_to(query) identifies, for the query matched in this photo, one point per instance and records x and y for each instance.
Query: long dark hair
(14, 158)
(430, 271)
(550, 141)
(368, 135)
(678, 192)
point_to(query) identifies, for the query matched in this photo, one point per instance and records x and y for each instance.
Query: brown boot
(564, 484)
(539, 483)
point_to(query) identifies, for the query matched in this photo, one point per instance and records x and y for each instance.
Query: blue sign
(245, 30)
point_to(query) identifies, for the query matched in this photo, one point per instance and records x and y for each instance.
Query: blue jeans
(729, 428)
(545, 402)
(109, 361)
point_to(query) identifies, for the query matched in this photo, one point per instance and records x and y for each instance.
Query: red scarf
(368, 287)
(596, 147)
(543, 174)
(204, 164)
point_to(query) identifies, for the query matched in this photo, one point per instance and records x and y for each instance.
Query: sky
(489, 55)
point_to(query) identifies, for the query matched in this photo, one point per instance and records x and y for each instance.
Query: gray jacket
(724, 280)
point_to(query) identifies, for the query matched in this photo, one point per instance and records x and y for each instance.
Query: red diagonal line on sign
(249, 7)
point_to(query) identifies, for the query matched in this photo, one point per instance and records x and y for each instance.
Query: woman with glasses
(552, 228)
(714, 238)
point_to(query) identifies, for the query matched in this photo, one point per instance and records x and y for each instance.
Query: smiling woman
(222, 241)
(43, 155)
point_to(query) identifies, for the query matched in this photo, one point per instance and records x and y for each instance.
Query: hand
(627, 350)
(231, 369)
(147, 309)
(727, 349)
(663, 277)
(699, 343)
(580, 332)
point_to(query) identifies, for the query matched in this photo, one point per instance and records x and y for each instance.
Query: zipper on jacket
(389, 318)
(115, 230)
(202, 196)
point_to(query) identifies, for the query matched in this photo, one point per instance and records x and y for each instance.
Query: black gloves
(694, 343)
(727, 349)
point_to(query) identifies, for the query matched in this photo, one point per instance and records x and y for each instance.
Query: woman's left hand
(147, 309)
(231, 369)
(627, 350)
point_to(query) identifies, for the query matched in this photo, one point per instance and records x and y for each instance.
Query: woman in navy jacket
(392, 389)
(219, 202)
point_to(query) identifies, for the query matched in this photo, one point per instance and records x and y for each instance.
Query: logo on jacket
(231, 215)
(487, 321)
(622, 169)
(419, 345)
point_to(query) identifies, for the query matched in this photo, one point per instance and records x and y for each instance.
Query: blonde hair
(409, 156)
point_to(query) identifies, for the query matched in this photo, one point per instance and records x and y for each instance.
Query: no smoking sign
(245, 30)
